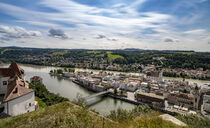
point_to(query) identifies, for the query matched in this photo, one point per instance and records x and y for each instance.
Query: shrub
(44, 95)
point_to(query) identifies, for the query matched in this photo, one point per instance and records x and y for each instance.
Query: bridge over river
(96, 94)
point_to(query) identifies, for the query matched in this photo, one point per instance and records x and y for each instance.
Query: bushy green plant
(122, 114)
(44, 95)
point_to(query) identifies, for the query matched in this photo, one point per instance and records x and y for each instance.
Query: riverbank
(114, 71)
(192, 81)
(87, 82)
(66, 88)
(70, 90)
(122, 98)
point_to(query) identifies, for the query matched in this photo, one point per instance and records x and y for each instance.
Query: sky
(106, 24)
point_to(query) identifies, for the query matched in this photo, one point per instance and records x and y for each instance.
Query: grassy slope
(97, 53)
(150, 121)
(112, 57)
(94, 52)
(3, 51)
(195, 121)
(60, 53)
(61, 115)
(67, 114)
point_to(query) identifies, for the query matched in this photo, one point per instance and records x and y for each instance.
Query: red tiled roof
(16, 88)
(16, 69)
(5, 72)
(13, 70)
(153, 74)
(36, 78)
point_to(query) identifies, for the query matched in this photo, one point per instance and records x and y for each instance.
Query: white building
(3, 84)
(205, 88)
(155, 76)
(206, 103)
(131, 86)
(19, 98)
(68, 74)
(16, 97)
(6, 73)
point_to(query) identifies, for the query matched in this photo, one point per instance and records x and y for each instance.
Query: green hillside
(112, 57)
(67, 114)
(61, 115)
(60, 53)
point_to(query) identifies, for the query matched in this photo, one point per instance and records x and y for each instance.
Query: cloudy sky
(106, 24)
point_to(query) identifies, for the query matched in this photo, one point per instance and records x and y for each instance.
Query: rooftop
(16, 88)
(150, 94)
(12, 70)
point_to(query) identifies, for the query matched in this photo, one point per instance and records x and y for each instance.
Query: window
(4, 82)
(30, 104)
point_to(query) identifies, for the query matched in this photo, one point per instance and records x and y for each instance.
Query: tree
(148, 87)
(121, 92)
(65, 69)
(115, 90)
(71, 70)
(60, 71)
(105, 55)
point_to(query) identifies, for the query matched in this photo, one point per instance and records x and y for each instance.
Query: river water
(68, 89)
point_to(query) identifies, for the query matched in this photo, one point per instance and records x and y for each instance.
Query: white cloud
(57, 33)
(74, 13)
(121, 24)
(196, 31)
(8, 33)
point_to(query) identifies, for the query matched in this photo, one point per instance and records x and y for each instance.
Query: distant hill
(132, 49)
(126, 49)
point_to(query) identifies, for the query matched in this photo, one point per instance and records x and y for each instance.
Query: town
(183, 64)
(170, 96)
(105, 64)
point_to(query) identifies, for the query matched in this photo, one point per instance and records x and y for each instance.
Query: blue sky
(106, 24)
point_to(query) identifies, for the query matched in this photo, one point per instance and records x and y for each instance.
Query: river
(68, 89)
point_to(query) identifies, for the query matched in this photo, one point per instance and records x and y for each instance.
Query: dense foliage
(44, 95)
(122, 115)
(63, 57)
(60, 71)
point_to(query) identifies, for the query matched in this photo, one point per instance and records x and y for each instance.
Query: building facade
(16, 96)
